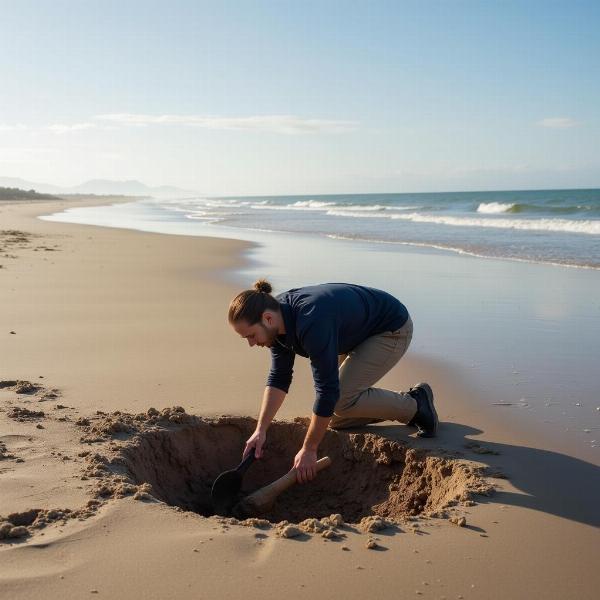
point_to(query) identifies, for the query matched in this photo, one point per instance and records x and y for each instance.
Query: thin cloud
(17, 127)
(54, 128)
(283, 124)
(557, 123)
(69, 128)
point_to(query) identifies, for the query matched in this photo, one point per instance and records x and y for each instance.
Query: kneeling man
(353, 335)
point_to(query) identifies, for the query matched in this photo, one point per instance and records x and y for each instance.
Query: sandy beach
(117, 366)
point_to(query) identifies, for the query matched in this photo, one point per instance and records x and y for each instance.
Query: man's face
(261, 334)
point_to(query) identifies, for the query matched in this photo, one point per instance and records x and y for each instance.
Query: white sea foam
(196, 214)
(341, 208)
(351, 208)
(202, 204)
(300, 205)
(346, 212)
(226, 203)
(402, 207)
(361, 208)
(169, 201)
(591, 227)
(494, 207)
(311, 204)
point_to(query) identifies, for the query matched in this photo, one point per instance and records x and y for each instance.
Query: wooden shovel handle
(290, 478)
(273, 490)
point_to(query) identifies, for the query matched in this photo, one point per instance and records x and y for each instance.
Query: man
(368, 329)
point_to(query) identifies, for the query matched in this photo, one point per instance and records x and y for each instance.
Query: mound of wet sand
(4, 453)
(22, 414)
(176, 457)
(19, 386)
(28, 388)
(21, 524)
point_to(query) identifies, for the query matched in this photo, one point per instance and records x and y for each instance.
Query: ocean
(550, 226)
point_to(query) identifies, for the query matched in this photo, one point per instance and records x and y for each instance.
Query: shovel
(227, 485)
(262, 500)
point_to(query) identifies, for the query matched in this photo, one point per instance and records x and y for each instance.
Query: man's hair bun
(262, 285)
(250, 305)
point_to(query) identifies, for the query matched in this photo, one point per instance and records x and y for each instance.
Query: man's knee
(347, 402)
(339, 423)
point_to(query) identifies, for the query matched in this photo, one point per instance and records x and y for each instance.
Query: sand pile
(19, 386)
(175, 457)
(4, 453)
(23, 414)
(21, 524)
(30, 389)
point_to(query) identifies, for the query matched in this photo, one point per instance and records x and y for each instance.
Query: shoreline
(237, 232)
(124, 320)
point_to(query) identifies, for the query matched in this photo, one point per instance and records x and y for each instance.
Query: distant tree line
(7, 193)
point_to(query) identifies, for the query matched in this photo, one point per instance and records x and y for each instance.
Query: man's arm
(272, 400)
(305, 461)
(320, 341)
(278, 383)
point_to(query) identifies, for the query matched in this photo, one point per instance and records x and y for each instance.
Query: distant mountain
(104, 187)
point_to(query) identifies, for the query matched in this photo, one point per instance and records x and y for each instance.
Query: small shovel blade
(227, 485)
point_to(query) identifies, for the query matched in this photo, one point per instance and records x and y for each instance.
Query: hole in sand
(369, 475)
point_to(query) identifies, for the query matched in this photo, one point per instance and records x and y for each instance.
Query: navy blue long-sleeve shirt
(323, 321)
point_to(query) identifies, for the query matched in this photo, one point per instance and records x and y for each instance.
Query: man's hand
(272, 400)
(305, 463)
(256, 441)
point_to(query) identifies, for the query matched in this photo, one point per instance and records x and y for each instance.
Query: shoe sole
(429, 394)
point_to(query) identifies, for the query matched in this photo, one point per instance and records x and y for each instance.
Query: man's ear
(267, 318)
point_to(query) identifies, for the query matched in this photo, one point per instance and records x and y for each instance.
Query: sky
(302, 97)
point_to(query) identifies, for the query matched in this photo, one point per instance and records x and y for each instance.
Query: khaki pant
(361, 404)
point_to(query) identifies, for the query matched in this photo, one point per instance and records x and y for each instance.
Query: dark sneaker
(426, 418)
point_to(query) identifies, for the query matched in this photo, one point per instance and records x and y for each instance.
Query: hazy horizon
(316, 194)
